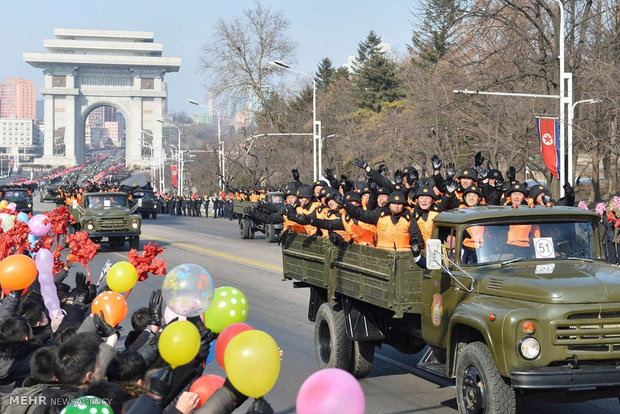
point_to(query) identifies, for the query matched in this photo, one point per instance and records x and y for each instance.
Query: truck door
(438, 293)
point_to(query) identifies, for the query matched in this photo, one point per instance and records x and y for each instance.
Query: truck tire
(270, 234)
(362, 358)
(154, 215)
(134, 242)
(145, 215)
(480, 387)
(332, 345)
(244, 229)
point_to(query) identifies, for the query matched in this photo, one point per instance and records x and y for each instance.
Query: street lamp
(316, 125)
(180, 186)
(571, 116)
(220, 152)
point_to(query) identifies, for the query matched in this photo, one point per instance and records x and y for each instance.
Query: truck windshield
(145, 196)
(106, 201)
(481, 244)
(277, 199)
(15, 194)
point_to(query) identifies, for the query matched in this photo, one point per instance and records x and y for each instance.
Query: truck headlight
(529, 348)
(90, 226)
(134, 225)
(29, 204)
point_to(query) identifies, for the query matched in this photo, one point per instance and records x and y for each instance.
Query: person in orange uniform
(519, 238)
(396, 228)
(426, 210)
(305, 206)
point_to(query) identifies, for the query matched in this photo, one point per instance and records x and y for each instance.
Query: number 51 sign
(543, 246)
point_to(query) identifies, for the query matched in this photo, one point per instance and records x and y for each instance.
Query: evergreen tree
(376, 75)
(325, 74)
(434, 38)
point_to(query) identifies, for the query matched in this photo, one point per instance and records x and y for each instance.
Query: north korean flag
(174, 175)
(549, 135)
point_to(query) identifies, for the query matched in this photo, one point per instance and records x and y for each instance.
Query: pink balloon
(329, 391)
(170, 315)
(39, 225)
(44, 261)
(12, 207)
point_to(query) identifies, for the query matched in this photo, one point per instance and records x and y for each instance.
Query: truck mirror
(74, 204)
(433, 254)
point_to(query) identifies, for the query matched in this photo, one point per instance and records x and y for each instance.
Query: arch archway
(86, 112)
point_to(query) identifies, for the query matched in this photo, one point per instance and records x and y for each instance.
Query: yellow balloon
(252, 361)
(179, 343)
(122, 277)
(3, 203)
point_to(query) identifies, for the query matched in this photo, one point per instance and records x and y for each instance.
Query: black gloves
(381, 168)
(337, 239)
(436, 161)
(478, 159)
(329, 174)
(483, 173)
(450, 170)
(451, 186)
(415, 250)
(372, 185)
(346, 184)
(81, 289)
(295, 174)
(260, 406)
(398, 177)
(155, 308)
(499, 185)
(284, 209)
(568, 189)
(361, 162)
(413, 177)
(103, 328)
(511, 173)
(301, 219)
(161, 381)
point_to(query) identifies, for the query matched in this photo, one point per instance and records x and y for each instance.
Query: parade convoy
(107, 215)
(539, 320)
(248, 227)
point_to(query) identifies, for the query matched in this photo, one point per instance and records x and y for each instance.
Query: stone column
(48, 141)
(134, 132)
(72, 146)
(158, 111)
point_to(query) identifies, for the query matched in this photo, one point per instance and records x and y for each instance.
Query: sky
(320, 28)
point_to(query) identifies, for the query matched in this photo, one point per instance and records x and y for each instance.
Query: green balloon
(87, 405)
(229, 306)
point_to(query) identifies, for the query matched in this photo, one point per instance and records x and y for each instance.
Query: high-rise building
(115, 132)
(18, 99)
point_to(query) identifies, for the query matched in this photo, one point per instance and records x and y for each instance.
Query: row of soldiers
(397, 214)
(192, 205)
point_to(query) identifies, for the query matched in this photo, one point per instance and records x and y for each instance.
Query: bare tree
(235, 58)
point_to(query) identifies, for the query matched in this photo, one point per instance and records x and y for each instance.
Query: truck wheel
(331, 343)
(480, 387)
(144, 215)
(251, 232)
(134, 242)
(154, 215)
(270, 233)
(244, 229)
(362, 358)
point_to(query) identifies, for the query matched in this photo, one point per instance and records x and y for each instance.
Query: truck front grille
(589, 332)
(108, 224)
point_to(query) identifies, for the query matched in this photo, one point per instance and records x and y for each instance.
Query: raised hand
(450, 170)
(295, 174)
(436, 162)
(361, 162)
(478, 159)
(155, 308)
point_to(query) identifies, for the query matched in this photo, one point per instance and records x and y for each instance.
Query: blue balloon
(23, 217)
(211, 355)
(32, 239)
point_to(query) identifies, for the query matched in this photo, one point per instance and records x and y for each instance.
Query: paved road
(395, 385)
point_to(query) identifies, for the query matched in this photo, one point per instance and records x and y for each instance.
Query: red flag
(174, 175)
(549, 136)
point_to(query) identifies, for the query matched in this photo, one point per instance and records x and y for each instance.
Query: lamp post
(571, 116)
(180, 185)
(220, 151)
(316, 125)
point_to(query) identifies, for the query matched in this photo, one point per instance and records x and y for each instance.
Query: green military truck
(107, 215)
(149, 203)
(22, 198)
(248, 226)
(511, 303)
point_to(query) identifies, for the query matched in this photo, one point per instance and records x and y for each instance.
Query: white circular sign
(547, 139)
(544, 248)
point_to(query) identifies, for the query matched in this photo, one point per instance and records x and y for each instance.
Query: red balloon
(224, 338)
(205, 386)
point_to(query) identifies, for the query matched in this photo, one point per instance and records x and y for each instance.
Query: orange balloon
(17, 272)
(113, 306)
(205, 386)
(71, 257)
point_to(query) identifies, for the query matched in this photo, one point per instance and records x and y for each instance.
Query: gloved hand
(15, 293)
(301, 219)
(81, 289)
(451, 186)
(478, 159)
(361, 162)
(338, 198)
(161, 381)
(284, 209)
(381, 168)
(511, 173)
(103, 328)
(155, 308)
(483, 173)
(398, 177)
(295, 174)
(372, 185)
(337, 239)
(329, 174)
(206, 337)
(546, 199)
(568, 189)
(415, 250)
(499, 185)
(260, 406)
(413, 177)
(92, 294)
(450, 170)
(436, 162)
(578, 181)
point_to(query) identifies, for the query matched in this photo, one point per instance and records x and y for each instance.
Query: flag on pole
(549, 135)
(174, 175)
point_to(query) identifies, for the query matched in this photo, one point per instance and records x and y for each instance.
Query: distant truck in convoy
(504, 319)
(248, 226)
(22, 198)
(107, 216)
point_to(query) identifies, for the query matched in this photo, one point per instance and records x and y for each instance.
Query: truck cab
(511, 301)
(22, 197)
(149, 203)
(107, 215)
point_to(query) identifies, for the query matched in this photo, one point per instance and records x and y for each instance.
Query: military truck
(107, 215)
(511, 302)
(22, 198)
(248, 226)
(149, 203)
(46, 193)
